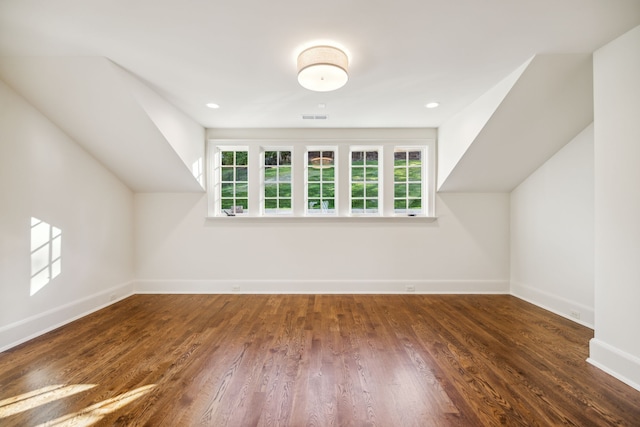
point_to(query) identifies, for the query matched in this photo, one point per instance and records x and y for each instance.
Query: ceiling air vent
(314, 117)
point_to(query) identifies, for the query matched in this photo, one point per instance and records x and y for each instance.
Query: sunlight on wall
(46, 254)
(197, 170)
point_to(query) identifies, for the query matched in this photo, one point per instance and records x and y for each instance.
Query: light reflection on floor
(86, 417)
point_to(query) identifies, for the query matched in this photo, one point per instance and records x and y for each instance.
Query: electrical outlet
(410, 288)
(575, 314)
(235, 288)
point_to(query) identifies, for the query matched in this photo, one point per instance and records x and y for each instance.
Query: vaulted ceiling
(241, 55)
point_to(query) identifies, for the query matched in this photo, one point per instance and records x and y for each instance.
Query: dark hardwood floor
(313, 360)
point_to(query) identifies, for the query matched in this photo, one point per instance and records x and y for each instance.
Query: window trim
(277, 148)
(343, 148)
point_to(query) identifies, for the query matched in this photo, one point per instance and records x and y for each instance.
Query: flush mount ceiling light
(323, 68)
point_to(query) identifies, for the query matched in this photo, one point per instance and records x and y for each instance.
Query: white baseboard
(554, 303)
(23, 330)
(615, 362)
(321, 286)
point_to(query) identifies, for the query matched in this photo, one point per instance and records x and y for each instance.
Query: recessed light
(213, 105)
(322, 105)
(432, 104)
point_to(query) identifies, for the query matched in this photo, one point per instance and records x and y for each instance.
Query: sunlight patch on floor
(95, 413)
(33, 399)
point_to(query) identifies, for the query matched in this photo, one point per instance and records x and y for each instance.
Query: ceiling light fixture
(323, 68)
(432, 104)
(213, 105)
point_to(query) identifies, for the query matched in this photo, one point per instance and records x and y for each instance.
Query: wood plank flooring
(313, 360)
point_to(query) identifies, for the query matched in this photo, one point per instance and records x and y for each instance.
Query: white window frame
(336, 181)
(423, 180)
(263, 182)
(342, 149)
(380, 180)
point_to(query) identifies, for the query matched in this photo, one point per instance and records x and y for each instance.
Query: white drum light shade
(323, 68)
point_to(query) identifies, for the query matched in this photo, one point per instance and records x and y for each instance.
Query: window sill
(323, 218)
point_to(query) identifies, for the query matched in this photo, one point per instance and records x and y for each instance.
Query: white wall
(552, 246)
(465, 250)
(616, 346)
(185, 136)
(457, 134)
(44, 174)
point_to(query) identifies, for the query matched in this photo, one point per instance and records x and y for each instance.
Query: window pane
(399, 204)
(242, 158)
(285, 173)
(357, 190)
(285, 190)
(357, 174)
(242, 202)
(371, 190)
(227, 158)
(372, 173)
(242, 190)
(314, 174)
(330, 204)
(227, 189)
(400, 174)
(357, 158)
(400, 158)
(372, 204)
(328, 190)
(372, 157)
(415, 190)
(271, 190)
(357, 204)
(314, 204)
(400, 190)
(241, 174)
(328, 173)
(314, 158)
(270, 173)
(270, 203)
(227, 203)
(285, 203)
(227, 174)
(313, 190)
(271, 158)
(415, 204)
(415, 174)
(285, 158)
(415, 157)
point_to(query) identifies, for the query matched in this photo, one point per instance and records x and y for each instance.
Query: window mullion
(255, 170)
(388, 181)
(299, 188)
(343, 189)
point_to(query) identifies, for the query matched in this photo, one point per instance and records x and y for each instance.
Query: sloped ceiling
(62, 56)
(87, 99)
(549, 104)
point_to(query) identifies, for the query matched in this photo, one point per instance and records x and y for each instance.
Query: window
(364, 182)
(234, 181)
(277, 182)
(325, 178)
(407, 181)
(321, 182)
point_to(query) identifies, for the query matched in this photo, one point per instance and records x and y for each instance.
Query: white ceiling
(241, 53)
